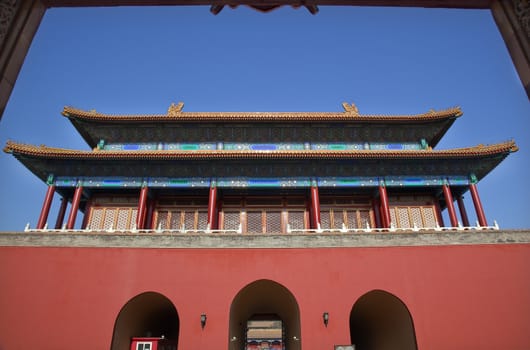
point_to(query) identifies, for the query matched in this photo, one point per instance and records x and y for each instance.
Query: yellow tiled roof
(72, 112)
(55, 153)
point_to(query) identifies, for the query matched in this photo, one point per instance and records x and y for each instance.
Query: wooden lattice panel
(403, 217)
(254, 222)
(296, 220)
(96, 218)
(108, 221)
(122, 222)
(174, 220)
(325, 219)
(365, 219)
(429, 217)
(162, 219)
(416, 217)
(413, 216)
(231, 220)
(202, 220)
(190, 222)
(274, 222)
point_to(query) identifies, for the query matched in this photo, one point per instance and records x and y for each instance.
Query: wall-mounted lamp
(325, 317)
(203, 320)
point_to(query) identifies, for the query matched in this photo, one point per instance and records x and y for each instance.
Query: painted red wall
(460, 297)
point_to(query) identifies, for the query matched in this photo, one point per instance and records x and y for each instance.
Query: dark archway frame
(264, 297)
(21, 18)
(381, 320)
(148, 314)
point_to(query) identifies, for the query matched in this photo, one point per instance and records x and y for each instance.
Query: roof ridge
(72, 112)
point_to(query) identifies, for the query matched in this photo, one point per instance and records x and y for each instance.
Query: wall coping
(136, 240)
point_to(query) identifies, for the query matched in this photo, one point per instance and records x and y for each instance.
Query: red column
(149, 216)
(46, 207)
(140, 215)
(315, 206)
(463, 213)
(60, 215)
(212, 208)
(450, 205)
(75, 207)
(478, 205)
(385, 208)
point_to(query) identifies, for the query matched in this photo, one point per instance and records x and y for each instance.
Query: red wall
(460, 297)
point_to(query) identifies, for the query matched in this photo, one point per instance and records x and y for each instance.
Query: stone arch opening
(260, 302)
(381, 321)
(148, 314)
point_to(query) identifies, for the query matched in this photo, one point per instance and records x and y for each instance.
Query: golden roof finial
(350, 108)
(175, 109)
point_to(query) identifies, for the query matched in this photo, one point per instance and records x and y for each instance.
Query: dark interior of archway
(148, 314)
(380, 321)
(264, 297)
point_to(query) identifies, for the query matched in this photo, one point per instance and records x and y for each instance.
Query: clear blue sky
(385, 60)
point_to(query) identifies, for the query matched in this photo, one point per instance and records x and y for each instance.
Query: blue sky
(385, 60)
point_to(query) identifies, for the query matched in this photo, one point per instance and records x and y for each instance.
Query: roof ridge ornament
(175, 109)
(350, 108)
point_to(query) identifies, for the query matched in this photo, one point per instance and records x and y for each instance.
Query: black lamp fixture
(203, 320)
(325, 317)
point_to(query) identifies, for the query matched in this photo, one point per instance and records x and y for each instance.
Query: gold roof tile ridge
(73, 112)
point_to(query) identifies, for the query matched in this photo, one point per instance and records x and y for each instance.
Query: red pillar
(46, 207)
(75, 207)
(60, 215)
(142, 206)
(463, 213)
(315, 206)
(478, 205)
(212, 208)
(149, 216)
(385, 208)
(450, 205)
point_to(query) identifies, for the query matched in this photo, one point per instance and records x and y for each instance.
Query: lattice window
(365, 219)
(403, 217)
(123, 219)
(254, 222)
(338, 219)
(96, 218)
(296, 220)
(174, 220)
(274, 222)
(416, 217)
(110, 216)
(202, 220)
(231, 220)
(162, 220)
(422, 216)
(351, 216)
(189, 220)
(429, 216)
(325, 219)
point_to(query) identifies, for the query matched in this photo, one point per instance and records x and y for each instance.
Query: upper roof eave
(316, 117)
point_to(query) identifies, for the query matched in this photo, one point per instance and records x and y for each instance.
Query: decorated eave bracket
(247, 182)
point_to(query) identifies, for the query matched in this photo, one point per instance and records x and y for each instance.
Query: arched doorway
(148, 314)
(266, 314)
(381, 321)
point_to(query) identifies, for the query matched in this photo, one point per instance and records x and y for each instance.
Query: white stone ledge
(157, 240)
